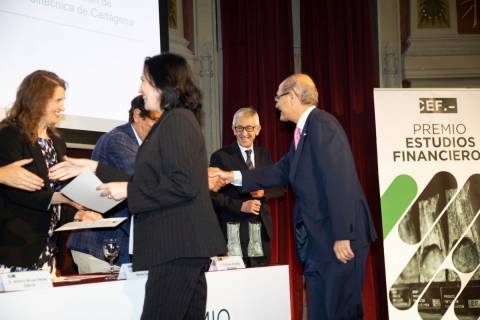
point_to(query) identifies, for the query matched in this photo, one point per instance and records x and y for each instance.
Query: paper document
(82, 189)
(104, 223)
(87, 263)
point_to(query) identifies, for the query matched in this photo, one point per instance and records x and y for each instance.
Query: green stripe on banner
(396, 199)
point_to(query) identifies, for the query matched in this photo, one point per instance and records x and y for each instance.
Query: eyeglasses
(239, 129)
(281, 95)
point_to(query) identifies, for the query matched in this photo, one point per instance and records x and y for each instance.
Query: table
(255, 293)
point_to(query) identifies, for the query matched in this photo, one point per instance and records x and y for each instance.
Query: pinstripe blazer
(168, 194)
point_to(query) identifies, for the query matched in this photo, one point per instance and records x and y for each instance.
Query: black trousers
(176, 290)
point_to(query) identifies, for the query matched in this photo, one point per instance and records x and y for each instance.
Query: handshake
(218, 178)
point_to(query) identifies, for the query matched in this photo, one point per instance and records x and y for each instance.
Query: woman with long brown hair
(28, 219)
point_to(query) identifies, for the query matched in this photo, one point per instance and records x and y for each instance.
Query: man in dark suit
(118, 149)
(245, 208)
(332, 223)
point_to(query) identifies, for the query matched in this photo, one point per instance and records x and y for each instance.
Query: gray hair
(303, 86)
(246, 112)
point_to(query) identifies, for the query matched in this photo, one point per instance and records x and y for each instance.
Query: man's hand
(342, 250)
(71, 167)
(218, 178)
(258, 193)
(14, 175)
(251, 206)
(214, 183)
(114, 190)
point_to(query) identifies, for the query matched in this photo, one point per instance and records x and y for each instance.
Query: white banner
(428, 144)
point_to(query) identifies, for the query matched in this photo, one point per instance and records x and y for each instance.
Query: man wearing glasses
(116, 148)
(332, 222)
(250, 207)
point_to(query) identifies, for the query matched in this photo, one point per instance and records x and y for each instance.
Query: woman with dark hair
(28, 219)
(175, 228)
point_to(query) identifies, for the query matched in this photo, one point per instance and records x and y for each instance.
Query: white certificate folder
(83, 190)
(104, 223)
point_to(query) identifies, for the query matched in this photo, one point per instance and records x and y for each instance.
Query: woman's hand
(114, 190)
(71, 167)
(87, 216)
(14, 175)
(59, 198)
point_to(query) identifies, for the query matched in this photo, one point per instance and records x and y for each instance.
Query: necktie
(296, 136)
(249, 160)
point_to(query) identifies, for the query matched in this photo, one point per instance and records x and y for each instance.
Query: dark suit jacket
(118, 149)
(168, 194)
(228, 201)
(329, 202)
(24, 217)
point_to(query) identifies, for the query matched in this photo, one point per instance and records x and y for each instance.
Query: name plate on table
(126, 272)
(28, 280)
(226, 263)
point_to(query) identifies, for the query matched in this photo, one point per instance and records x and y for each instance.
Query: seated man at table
(118, 149)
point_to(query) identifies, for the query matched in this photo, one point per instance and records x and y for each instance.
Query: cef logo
(438, 105)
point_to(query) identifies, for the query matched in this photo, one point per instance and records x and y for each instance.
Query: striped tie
(249, 162)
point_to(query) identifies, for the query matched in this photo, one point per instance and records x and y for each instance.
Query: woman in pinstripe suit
(175, 228)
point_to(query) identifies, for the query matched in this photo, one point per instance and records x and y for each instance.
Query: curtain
(338, 51)
(257, 55)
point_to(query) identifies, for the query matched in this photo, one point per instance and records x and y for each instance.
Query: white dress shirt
(244, 154)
